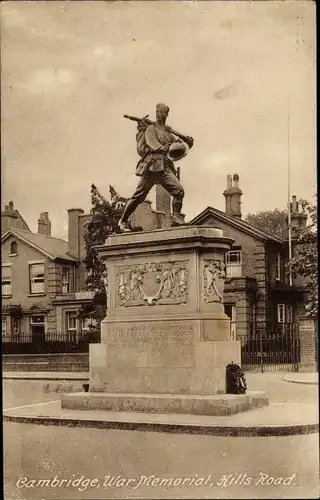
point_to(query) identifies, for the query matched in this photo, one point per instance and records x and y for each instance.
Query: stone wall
(51, 321)
(54, 279)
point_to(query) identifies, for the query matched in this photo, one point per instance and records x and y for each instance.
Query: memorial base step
(217, 405)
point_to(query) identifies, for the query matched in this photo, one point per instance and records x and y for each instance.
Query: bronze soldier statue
(159, 146)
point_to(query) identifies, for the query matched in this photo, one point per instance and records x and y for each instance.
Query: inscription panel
(166, 344)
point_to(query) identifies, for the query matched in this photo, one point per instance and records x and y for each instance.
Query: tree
(305, 260)
(273, 222)
(104, 221)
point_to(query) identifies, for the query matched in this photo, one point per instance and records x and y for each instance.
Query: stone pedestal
(166, 331)
(166, 334)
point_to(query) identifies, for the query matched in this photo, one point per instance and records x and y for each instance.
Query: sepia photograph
(159, 249)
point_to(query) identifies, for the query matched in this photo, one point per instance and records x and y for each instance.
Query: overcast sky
(71, 70)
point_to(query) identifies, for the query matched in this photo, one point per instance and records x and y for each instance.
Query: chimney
(9, 209)
(44, 224)
(298, 219)
(73, 231)
(9, 218)
(233, 196)
(294, 204)
(163, 200)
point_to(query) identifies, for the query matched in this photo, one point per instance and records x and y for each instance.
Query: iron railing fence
(49, 342)
(274, 349)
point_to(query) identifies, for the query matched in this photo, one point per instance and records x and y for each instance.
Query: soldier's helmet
(177, 151)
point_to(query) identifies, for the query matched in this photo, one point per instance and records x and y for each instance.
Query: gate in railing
(277, 350)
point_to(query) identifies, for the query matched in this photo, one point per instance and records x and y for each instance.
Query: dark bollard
(85, 387)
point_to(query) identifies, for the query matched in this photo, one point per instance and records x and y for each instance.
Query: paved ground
(277, 419)
(302, 378)
(18, 393)
(37, 452)
(40, 452)
(278, 390)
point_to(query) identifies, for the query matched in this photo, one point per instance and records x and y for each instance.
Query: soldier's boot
(123, 223)
(176, 213)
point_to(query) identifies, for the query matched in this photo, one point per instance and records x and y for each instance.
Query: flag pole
(289, 190)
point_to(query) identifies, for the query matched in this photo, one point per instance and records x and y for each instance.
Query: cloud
(118, 65)
(48, 81)
(99, 62)
(102, 52)
(220, 160)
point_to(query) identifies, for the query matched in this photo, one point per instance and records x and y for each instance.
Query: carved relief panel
(213, 280)
(152, 284)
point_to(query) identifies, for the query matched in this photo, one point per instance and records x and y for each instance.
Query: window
(6, 280)
(72, 321)
(15, 325)
(233, 264)
(278, 267)
(281, 313)
(65, 280)
(285, 313)
(4, 327)
(230, 311)
(13, 248)
(289, 315)
(37, 320)
(36, 278)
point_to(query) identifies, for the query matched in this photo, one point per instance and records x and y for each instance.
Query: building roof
(236, 222)
(54, 248)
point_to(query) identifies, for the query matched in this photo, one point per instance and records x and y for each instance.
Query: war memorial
(165, 342)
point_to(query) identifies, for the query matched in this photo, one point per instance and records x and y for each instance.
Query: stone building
(257, 296)
(36, 268)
